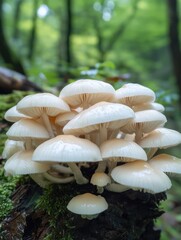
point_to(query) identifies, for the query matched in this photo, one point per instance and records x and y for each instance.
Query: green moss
(54, 202)
(9, 100)
(7, 185)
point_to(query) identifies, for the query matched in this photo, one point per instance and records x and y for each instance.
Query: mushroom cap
(100, 179)
(161, 138)
(86, 92)
(145, 121)
(166, 163)
(36, 104)
(11, 147)
(141, 175)
(63, 119)
(149, 106)
(132, 94)
(27, 129)
(87, 204)
(67, 148)
(12, 115)
(21, 163)
(102, 114)
(122, 150)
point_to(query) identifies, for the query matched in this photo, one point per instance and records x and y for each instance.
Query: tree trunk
(32, 39)
(17, 13)
(66, 33)
(173, 33)
(5, 51)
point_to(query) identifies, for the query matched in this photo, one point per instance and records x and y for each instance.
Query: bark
(174, 41)
(6, 52)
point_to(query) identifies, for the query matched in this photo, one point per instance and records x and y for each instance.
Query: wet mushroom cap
(141, 175)
(67, 148)
(100, 179)
(86, 92)
(11, 147)
(110, 115)
(87, 204)
(132, 94)
(34, 105)
(63, 119)
(21, 163)
(149, 106)
(122, 150)
(166, 163)
(27, 128)
(161, 138)
(145, 121)
(12, 115)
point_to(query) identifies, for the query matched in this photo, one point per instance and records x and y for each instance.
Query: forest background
(119, 41)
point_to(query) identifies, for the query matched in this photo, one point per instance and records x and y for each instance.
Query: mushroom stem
(58, 180)
(151, 152)
(102, 138)
(80, 179)
(138, 135)
(40, 180)
(113, 134)
(111, 165)
(28, 144)
(61, 169)
(47, 123)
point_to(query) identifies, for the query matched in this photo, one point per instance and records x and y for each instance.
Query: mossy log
(11, 80)
(39, 214)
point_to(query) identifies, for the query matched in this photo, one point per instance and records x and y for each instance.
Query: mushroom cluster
(115, 133)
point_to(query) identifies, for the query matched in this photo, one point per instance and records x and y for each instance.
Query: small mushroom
(160, 138)
(139, 175)
(132, 94)
(144, 122)
(43, 105)
(12, 115)
(11, 147)
(21, 163)
(101, 180)
(87, 205)
(166, 163)
(152, 106)
(86, 92)
(27, 130)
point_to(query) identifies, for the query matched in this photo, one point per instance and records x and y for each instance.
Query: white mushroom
(68, 149)
(86, 92)
(101, 180)
(87, 205)
(139, 175)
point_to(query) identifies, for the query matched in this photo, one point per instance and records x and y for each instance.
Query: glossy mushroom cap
(67, 148)
(132, 94)
(145, 121)
(86, 92)
(110, 115)
(21, 163)
(87, 204)
(34, 105)
(122, 150)
(12, 115)
(161, 138)
(100, 179)
(140, 175)
(166, 163)
(27, 128)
